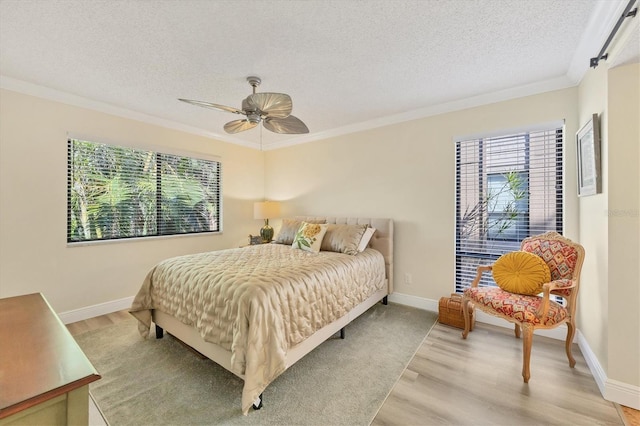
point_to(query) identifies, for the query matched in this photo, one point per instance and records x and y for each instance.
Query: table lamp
(266, 210)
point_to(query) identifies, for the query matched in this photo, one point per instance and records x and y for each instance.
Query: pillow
(366, 237)
(309, 237)
(521, 272)
(288, 230)
(343, 238)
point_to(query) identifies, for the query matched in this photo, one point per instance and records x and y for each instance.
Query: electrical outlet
(408, 279)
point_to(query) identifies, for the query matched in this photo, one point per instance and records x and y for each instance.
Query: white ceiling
(347, 64)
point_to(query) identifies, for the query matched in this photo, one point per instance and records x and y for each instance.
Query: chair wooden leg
(526, 351)
(517, 331)
(467, 319)
(571, 331)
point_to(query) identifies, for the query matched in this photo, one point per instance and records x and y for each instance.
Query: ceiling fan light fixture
(254, 118)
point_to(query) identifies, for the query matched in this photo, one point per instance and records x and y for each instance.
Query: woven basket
(450, 311)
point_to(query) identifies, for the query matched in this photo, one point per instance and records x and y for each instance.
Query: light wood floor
(478, 381)
(90, 324)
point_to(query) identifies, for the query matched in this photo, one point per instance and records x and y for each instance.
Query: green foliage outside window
(496, 214)
(118, 192)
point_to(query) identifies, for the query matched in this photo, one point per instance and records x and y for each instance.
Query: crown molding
(24, 87)
(558, 83)
(31, 89)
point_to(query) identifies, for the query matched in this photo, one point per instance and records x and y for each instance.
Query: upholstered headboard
(382, 240)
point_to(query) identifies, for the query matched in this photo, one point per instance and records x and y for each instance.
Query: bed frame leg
(385, 300)
(342, 333)
(259, 401)
(159, 332)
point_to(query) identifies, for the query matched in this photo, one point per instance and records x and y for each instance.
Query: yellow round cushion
(521, 272)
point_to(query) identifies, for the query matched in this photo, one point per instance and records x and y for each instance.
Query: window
(115, 192)
(507, 188)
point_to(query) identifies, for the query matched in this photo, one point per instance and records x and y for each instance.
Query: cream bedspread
(258, 301)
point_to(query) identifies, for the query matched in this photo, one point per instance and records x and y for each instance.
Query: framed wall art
(588, 149)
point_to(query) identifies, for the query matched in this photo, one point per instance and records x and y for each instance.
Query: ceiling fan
(273, 109)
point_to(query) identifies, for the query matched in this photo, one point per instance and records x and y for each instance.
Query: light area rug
(342, 382)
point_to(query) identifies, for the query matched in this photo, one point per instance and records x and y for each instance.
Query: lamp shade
(266, 210)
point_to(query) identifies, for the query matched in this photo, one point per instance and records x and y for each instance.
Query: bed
(257, 310)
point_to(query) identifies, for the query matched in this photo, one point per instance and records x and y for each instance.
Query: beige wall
(608, 305)
(407, 172)
(594, 292)
(623, 224)
(34, 256)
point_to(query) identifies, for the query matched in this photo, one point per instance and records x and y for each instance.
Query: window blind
(508, 188)
(116, 192)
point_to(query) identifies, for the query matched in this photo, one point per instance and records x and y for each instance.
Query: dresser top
(39, 359)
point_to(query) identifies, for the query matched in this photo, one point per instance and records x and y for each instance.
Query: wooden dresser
(44, 375)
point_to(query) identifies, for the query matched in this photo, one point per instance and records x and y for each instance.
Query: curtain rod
(628, 13)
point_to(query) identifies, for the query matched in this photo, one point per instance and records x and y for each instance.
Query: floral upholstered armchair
(547, 265)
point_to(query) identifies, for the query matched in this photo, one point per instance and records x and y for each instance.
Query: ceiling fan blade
(237, 126)
(277, 105)
(289, 125)
(213, 106)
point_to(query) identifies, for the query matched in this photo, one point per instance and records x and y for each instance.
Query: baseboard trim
(95, 310)
(611, 390)
(592, 362)
(623, 394)
(414, 301)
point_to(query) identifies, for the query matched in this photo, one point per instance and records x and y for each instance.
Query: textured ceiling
(347, 64)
